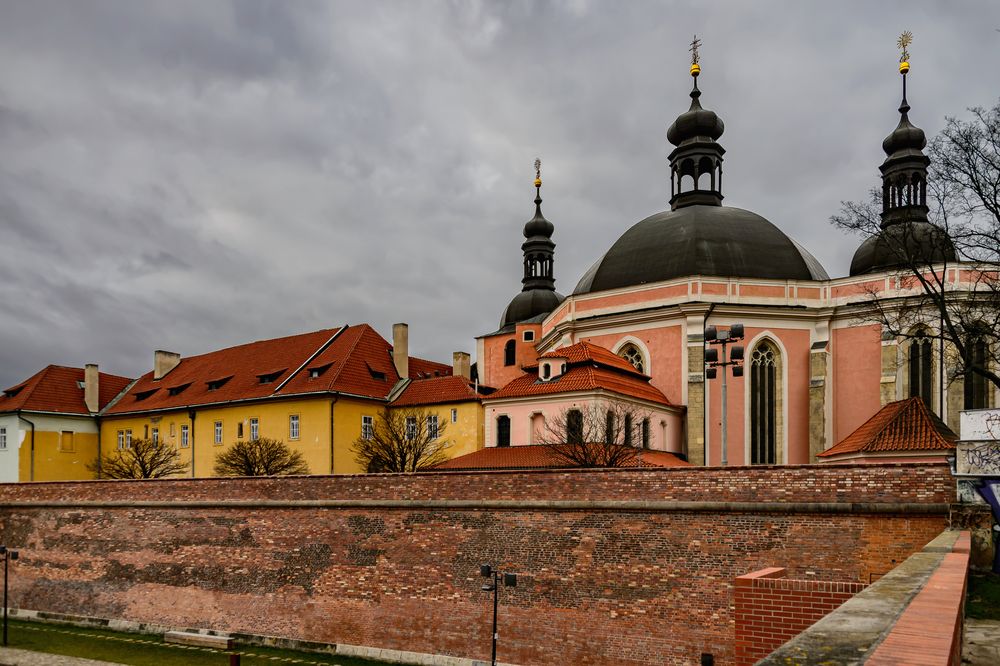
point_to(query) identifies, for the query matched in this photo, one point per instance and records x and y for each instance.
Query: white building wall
(9, 455)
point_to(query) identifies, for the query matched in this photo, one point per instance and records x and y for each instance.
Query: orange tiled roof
(588, 368)
(354, 360)
(905, 425)
(541, 457)
(436, 390)
(57, 389)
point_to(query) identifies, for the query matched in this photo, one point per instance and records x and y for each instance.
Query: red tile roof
(541, 457)
(354, 360)
(57, 389)
(589, 368)
(906, 425)
(435, 391)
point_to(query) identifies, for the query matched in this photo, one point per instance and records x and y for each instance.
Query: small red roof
(57, 389)
(535, 456)
(353, 360)
(588, 368)
(905, 425)
(436, 390)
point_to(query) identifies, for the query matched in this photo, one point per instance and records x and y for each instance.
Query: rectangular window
(293, 426)
(529, 336)
(184, 436)
(145, 431)
(128, 439)
(218, 432)
(432, 426)
(66, 441)
(454, 416)
(367, 428)
(239, 430)
(156, 435)
(411, 427)
(254, 429)
(121, 440)
(3, 438)
(173, 429)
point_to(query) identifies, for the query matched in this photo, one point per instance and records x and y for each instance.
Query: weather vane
(538, 172)
(904, 41)
(695, 57)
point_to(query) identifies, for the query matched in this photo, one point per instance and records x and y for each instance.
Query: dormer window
(10, 393)
(177, 390)
(551, 368)
(546, 371)
(318, 370)
(378, 374)
(216, 384)
(80, 384)
(270, 377)
(142, 395)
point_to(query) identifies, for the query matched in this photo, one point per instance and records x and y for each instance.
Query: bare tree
(142, 459)
(401, 440)
(606, 434)
(260, 457)
(963, 197)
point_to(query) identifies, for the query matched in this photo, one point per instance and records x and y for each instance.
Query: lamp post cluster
(7, 555)
(714, 360)
(495, 578)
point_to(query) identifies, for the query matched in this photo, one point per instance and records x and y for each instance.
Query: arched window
(976, 386)
(920, 368)
(633, 355)
(764, 397)
(574, 426)
(645, 433)
(609, 428)
(503, 430)
(509, 353)
(627, 430)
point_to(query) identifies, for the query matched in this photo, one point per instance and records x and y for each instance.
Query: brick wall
(770, 609)
(615, 567)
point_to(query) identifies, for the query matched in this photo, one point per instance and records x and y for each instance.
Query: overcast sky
(193, 175)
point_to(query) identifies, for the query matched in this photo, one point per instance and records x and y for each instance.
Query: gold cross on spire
(538, 172)
(902, 43)
(695, 43)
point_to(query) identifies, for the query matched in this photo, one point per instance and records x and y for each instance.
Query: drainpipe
(704, 380)
(332, 403)
(97, 421)
(31, 473)
(191, 415)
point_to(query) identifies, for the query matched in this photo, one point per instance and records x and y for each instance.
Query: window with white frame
(121, 440)
(367, 428)
(128, 439)
(293, 426)
(454, 416)
(432, 426)
(254, 429)
(185, 432)
(3, 438)
(218, 432)
(156, 435)
(411, 427)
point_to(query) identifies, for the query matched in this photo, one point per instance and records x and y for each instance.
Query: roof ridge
(258, 342)
(362, 329)
(899, 407)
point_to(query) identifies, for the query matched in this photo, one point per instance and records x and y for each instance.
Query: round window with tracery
(632, 354)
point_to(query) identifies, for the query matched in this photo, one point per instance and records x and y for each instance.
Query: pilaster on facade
(891, 368)
(695, 318)
(819, 398)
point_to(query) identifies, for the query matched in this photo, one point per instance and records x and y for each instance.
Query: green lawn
(982, 601)
(145, 650)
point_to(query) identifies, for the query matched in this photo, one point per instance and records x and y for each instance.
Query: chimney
(164, 362)
(401, 349)
(460, 365)
(91, 386)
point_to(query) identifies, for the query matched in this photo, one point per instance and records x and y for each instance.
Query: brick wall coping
(774, 578)
(625, 506)
(852, 632)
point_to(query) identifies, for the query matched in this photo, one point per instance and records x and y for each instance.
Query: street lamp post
(509, 580)
(8, 555)
(714, 360)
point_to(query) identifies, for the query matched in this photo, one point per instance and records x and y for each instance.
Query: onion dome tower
(906, 233)
(538, 295)
(698, 235)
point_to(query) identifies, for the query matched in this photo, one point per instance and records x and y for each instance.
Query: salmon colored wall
(857, 373)
(631, 298)
(796, 397)
(492, 370)
(667, 366)
(762, 290)
(521, 421)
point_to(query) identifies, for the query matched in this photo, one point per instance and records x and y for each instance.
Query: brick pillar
(695, 419)
(819, 363)
(890, 368)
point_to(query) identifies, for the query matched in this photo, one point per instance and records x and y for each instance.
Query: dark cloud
(189, 175)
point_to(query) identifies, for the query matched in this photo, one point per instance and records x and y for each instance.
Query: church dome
(700, 240)
(898, 245)
(528, 305)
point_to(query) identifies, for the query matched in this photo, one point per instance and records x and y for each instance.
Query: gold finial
(902, 43)
(695, 67)
(538, 172)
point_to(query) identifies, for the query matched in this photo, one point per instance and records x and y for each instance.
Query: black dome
(700, 240)
(529, 304)
(695, 123)
(892, 247)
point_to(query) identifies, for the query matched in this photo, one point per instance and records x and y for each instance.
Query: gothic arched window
(574, 427)
(764, 396)
(633, 355)
(920, 368)
(503, 430)
(509, 353)
(976, 386)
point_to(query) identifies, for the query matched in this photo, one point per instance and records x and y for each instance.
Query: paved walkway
(12, 657)
(981, 646)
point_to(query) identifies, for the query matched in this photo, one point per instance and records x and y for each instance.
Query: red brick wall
(625, 584)
(771, 609)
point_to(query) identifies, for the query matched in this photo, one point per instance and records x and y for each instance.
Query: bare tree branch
(606, 434)
(143, 459)
(260, 457)
(402, 440)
